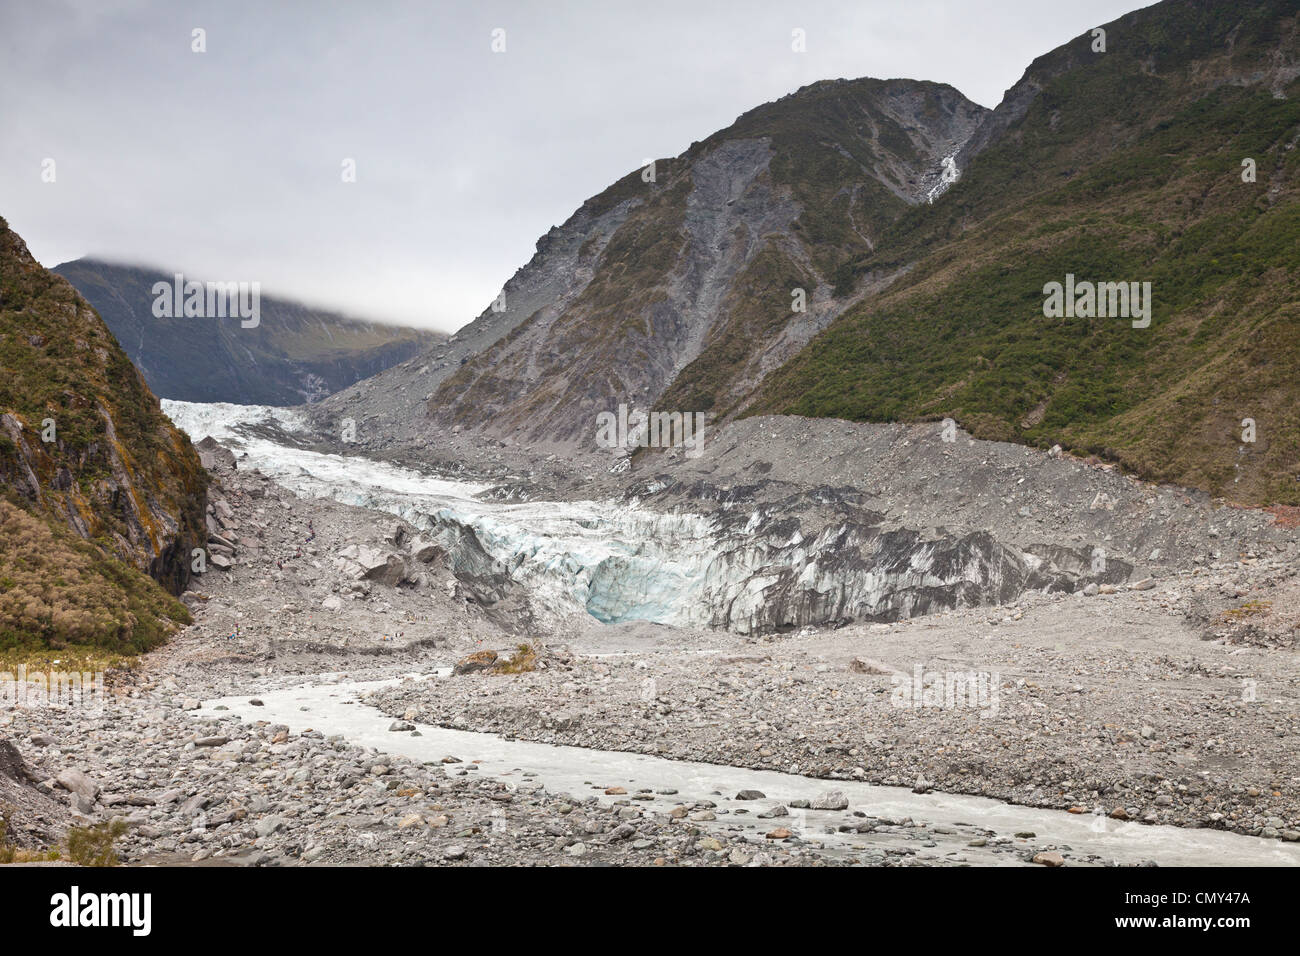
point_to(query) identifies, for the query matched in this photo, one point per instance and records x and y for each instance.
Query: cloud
(228, 163)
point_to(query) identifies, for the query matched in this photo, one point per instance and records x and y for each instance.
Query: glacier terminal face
(751, 572)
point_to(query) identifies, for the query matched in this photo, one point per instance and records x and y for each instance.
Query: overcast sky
(227, 164)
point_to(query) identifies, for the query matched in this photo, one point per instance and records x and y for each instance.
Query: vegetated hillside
(294, 354)
(57, 590)
(1117, 166)
(115, 472)
(686, 278)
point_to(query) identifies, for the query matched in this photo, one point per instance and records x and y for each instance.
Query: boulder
(364, 563)
(425, 551)
(831, 800)
(77, 782)
(391, 573)
(478, 661)
(11, 762)
(214, 455)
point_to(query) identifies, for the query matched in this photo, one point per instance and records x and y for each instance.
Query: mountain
(1119, 166)
(925, 232)
(684, 273)
(294, 353)
(97, 489)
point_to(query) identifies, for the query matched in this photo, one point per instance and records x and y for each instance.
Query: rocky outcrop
(83, 441)
(682, 275)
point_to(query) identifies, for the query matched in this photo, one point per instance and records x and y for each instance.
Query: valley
(874, 479)
(316, 710)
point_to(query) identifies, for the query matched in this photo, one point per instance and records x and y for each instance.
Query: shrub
(93, 846)
(56, 590)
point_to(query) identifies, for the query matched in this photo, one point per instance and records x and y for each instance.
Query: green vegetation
(56, 589)
(117, 491)
(1119, 171)
(86, 846)
(1248, 609)
(522, 661)
(94, 845)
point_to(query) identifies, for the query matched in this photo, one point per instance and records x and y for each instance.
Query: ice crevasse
(621, 561)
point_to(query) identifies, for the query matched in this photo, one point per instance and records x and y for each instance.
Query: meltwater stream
(608, 560)
(951, 820)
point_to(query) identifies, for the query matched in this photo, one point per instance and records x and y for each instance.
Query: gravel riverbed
(1168, 700)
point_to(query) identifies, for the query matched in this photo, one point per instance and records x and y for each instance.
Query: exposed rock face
(114, 469)
(294, 354)
(391, 407)
(685, 274)
(693, 298)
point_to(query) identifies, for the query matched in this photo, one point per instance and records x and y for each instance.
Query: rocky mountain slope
(925, 296)
(1118, 166)
(84, 445)
(294, 354)
(686, 272)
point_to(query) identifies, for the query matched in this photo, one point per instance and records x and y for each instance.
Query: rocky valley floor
(1171, 699)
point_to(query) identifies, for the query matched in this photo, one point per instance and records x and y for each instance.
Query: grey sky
(226, 164)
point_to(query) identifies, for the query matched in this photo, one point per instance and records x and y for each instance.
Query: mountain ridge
(1121, 165)
(86, 453)
(674, 250)
(672, 292)
(295, 353)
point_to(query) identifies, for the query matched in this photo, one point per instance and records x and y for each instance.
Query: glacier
(619, 560)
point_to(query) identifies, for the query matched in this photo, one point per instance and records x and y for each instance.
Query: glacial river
(951, 821)
(604, 558)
